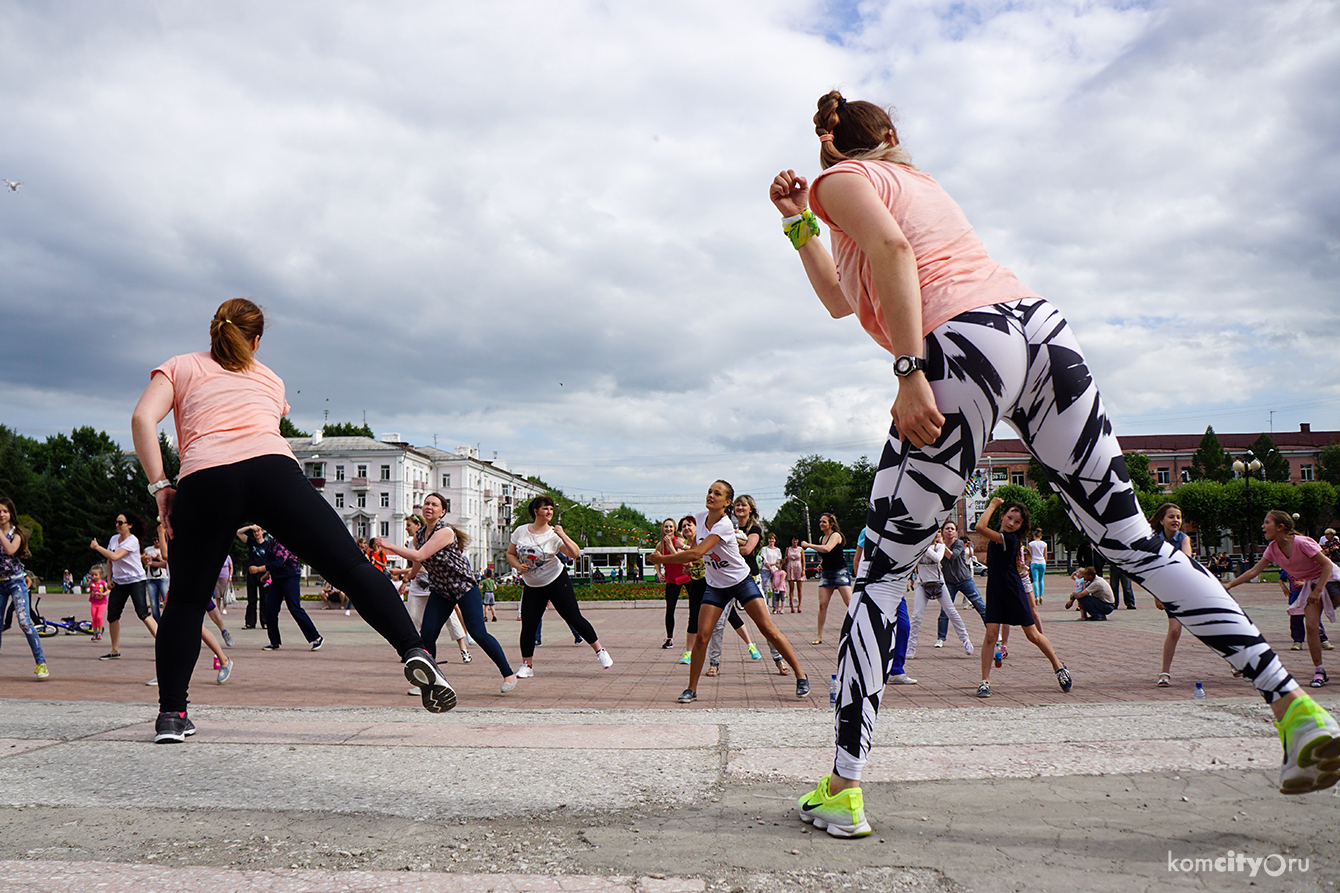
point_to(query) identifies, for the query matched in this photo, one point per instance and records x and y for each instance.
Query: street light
(1247, 469)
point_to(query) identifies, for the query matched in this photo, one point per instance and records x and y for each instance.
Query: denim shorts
(834, 579)
(744, 592)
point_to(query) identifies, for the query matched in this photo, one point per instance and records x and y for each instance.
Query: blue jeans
(970, 594)
(438, 609)
(158, 590)
(902, 629)
(17, 589)
(286, 591)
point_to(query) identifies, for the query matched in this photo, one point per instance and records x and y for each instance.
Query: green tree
(1056, 521)
(288, 429)
(1037, 477)
(1274, 467)
(1329, 460)
(825, 485)
(346, 429)
(1211, 461)
(1204, 503)
(1028, 497)
(1315, 503)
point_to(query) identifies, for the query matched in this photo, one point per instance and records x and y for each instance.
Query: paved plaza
(314, 771)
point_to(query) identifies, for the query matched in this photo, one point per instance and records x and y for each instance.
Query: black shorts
(137, 592)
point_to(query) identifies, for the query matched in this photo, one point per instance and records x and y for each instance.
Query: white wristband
(159, 485)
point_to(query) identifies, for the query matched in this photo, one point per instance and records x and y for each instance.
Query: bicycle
(48, 628)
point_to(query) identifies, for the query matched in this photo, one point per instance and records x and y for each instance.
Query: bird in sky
(13, 185)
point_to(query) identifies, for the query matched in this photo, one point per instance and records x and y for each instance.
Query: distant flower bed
(597, 592)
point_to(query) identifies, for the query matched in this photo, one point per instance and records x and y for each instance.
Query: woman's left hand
(94, 545)
(791, 194)
(914, 412)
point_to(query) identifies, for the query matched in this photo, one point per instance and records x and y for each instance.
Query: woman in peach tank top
(972, 346)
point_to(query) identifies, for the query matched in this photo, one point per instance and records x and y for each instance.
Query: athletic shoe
(1311, 740)
(605, 660)
(967, 648)
(413, 690)
(1327, 646)
(172, 728)
(939, 643)
(841, 814)
(318, 642)
(111, 655)
(224, 672)
(984, 690)
(153, 681)
(688, 697)
(902, 679)
(576, 640)
(802, 688)
(687, 658)
(508, 686)
(1063, 677)
(227, 638)
(465, 657)
(526, 672)
(346, 612)
(668, 643)
(421, 670)
(270, 647)
(40, 671)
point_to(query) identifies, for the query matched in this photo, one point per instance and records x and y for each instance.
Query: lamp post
(1247, 470)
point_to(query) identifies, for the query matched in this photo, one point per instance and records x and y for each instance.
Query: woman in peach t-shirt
(235, 468)
(973, 346)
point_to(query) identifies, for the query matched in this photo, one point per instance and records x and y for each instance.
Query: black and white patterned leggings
(1018, 362)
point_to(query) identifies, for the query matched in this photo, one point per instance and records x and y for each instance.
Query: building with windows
(375, 484)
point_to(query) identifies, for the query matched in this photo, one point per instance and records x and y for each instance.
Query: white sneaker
(526, 672)
(902, 679)
(508, 686)
(967, 648)
(346, 612)
(153, 681)
(605, 660)
(939, 643)
(413, 690)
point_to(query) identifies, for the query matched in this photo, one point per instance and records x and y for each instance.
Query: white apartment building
(375, 484)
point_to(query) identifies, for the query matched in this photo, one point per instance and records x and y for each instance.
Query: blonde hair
(235, 324)
(859, 131)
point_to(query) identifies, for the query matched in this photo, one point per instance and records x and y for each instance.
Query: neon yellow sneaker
(40, 671)
(1311, 740)
(841, 815)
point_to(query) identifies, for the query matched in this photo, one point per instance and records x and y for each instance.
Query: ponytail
(235, 324)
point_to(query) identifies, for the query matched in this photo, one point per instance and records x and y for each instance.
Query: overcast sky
(543, 229)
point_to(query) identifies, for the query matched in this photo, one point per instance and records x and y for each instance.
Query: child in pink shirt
(97, 600)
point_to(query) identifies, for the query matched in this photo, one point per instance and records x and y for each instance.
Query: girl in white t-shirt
(727, 579)
(534, 553)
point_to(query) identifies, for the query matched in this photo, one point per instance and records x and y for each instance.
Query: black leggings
(671, 599)
(273, 492)
(559, 593)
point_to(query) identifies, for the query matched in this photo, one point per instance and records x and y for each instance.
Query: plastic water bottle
(999, 656)
(832, 691)
(1199, 693)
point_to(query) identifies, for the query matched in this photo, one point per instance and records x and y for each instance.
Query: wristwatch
(159, 485)
(905, 365)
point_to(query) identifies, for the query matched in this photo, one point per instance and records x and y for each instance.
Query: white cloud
(447, 210)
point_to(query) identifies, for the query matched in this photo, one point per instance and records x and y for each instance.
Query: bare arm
(436, 543)
(155, 403)
(514, 560)
(1248, 574)
(687, 556)
(790, 194)
(834, 540)
(569, 548)
(984, 522)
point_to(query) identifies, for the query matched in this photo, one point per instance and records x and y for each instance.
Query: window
(386, 472)
(1017, 478)
(1186, 475)
(386, 502)
(362, 500)
(361, 528)
(507, 489)
(339, 472)
(446, 480)
(1164, 476)
(447, 507)
(385, 528)
(362, 471)
(1305, 472)
(339, 500)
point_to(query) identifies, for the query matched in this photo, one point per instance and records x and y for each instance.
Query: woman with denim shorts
(833, 572)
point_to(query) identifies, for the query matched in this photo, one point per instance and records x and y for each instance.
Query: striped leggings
(1018, 362)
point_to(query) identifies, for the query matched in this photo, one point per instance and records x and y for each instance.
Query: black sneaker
(172, 728)
(270, 647)
(802, 687)
(317, 643)
(1063, 677)
(688, 697)
(421, 670)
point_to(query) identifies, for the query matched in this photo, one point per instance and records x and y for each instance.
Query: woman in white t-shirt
(534, 554)
(1037, 564)
(127, 576)
(728, 580)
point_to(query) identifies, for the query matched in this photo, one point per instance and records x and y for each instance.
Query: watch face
(903, 365)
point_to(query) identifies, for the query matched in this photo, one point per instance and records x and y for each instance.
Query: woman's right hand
(789, 193)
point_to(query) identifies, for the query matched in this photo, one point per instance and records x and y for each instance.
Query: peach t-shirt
(954, 270)
(224, 417)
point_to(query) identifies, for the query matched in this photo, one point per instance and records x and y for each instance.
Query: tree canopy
(343, 429)
(1211, 461)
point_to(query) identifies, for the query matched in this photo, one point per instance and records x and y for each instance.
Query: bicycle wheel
(46, 630)
(84, 626)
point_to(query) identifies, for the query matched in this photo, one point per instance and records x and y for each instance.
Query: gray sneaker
(227, 638)
(225, 671)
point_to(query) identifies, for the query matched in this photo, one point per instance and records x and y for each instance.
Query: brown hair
(1162, 512)
(1283, 520)
(462, 538)
(18, 531)
(860, 130)
(231, 331)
